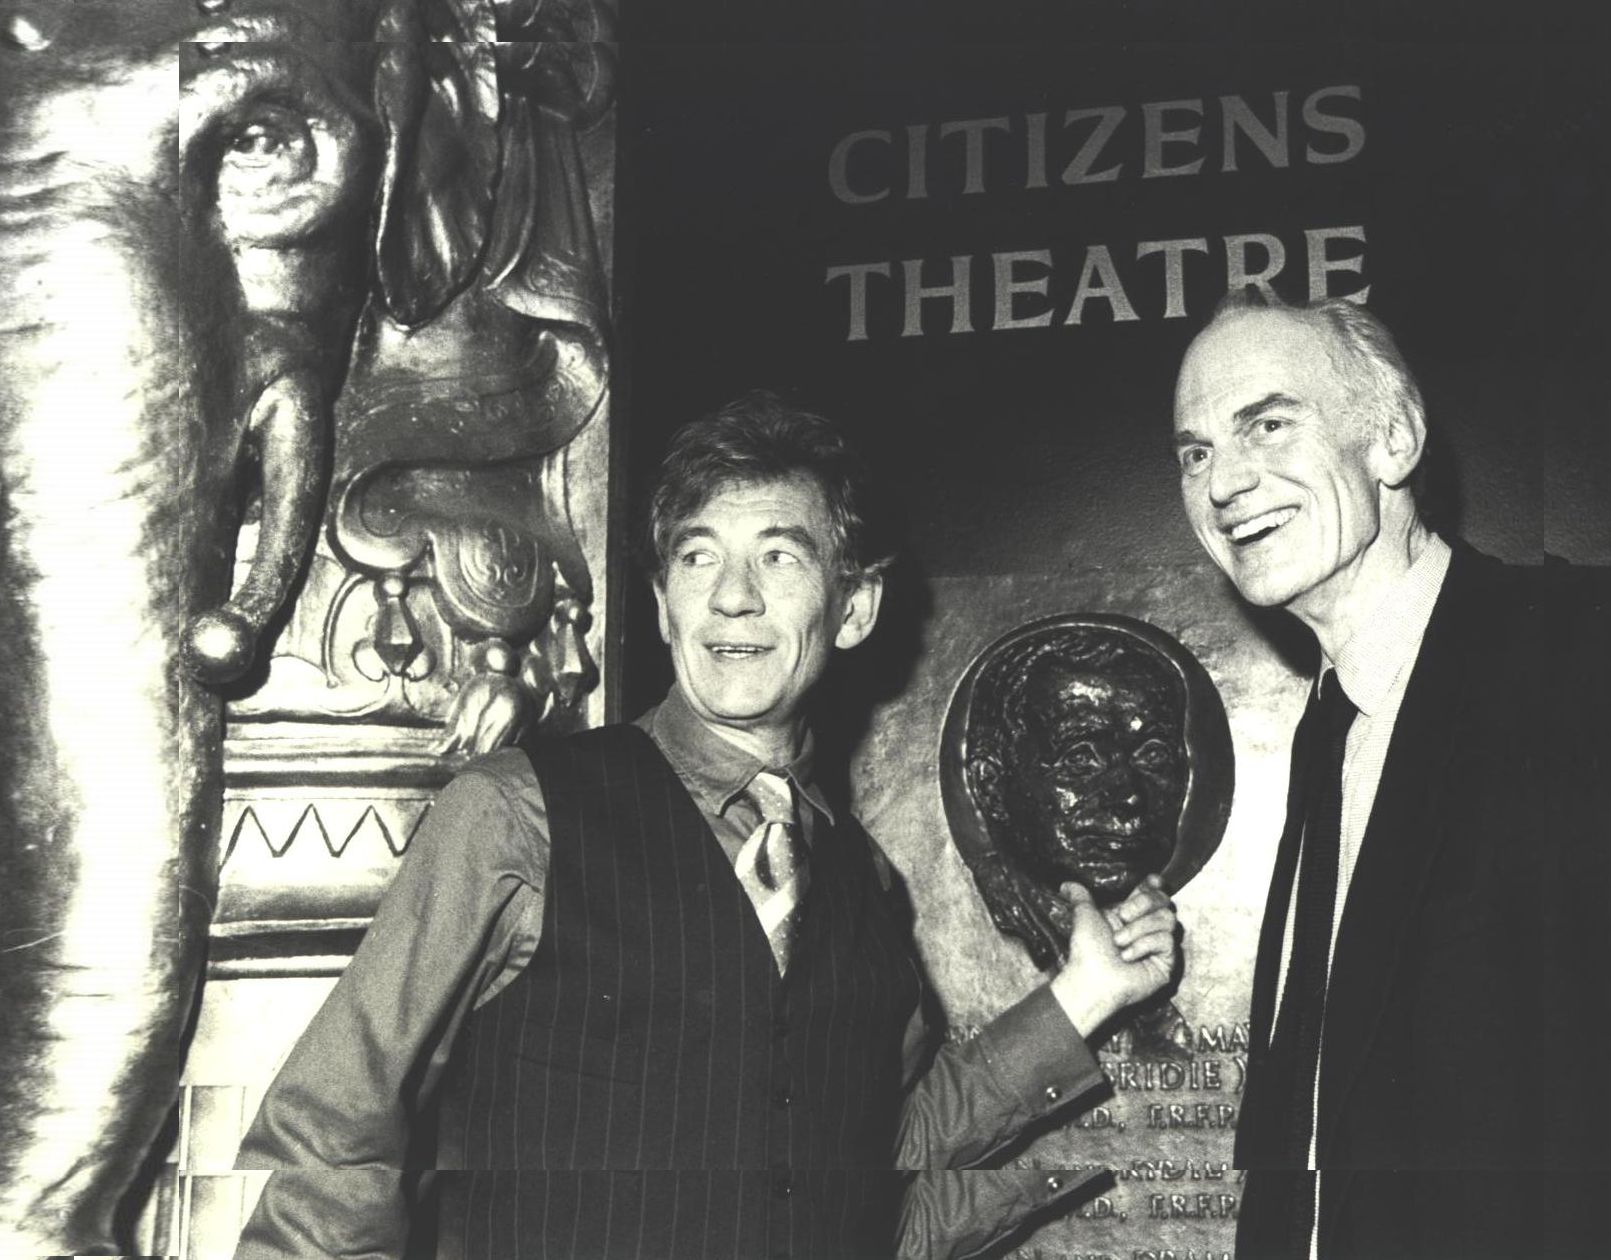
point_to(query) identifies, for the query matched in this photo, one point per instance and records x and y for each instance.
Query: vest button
(780, 1026)
(782, 1186)
(782, 1098)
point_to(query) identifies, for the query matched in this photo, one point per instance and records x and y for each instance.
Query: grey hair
(756, 439)
(1368, 346)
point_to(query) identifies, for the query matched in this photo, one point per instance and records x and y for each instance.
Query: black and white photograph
(885, 631)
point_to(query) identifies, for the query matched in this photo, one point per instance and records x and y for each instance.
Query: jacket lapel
(1402, 840)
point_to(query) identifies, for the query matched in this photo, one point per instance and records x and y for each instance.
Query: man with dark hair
(657, 979)
(1433, 928)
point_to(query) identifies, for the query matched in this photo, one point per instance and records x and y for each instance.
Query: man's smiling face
(753, 601)
(1278, 459)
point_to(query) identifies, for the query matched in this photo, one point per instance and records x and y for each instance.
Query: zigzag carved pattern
(278, 825)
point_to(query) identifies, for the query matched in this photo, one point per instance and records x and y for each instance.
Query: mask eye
(265, 155)
(269, 151)
(279, 175)
(1153, 755)
(1080, 758)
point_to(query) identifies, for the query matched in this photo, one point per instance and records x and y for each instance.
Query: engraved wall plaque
(1087, 747)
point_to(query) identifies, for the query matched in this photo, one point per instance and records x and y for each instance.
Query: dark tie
(1294, 1055)
(771, 865)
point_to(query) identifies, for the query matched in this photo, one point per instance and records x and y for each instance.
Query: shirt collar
(713, 768)
(1371, 662)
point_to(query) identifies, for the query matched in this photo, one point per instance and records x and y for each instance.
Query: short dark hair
(1366, 342)
(756, 439)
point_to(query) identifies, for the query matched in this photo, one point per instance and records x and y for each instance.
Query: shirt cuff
(954, 1215)
(1035, 1051)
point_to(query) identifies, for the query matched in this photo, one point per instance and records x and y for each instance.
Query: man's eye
(1269, 425)
(1193, 460)
(695, 559)
(777, 557)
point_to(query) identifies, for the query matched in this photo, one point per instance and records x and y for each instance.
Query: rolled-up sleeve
(975, 1098)
(952, 1214)
(978, 1095)
(461, 915)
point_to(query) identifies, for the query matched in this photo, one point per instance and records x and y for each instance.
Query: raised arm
(1032, 1060)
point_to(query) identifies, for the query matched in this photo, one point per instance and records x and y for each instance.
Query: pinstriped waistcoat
(649, 1086)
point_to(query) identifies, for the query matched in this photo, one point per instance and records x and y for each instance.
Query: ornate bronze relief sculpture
(1090, 748)
(304, 236)
(453, 588)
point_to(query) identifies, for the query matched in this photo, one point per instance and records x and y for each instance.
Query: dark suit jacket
(1465, 1090)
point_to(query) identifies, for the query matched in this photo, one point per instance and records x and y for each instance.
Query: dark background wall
(1030, 465)
(1480, 189)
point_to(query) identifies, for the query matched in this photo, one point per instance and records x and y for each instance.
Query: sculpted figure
(199, 201)
(1085, 748)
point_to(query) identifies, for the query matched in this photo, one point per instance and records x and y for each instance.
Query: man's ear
(861, 610)
(1399, 443)
(660, 608)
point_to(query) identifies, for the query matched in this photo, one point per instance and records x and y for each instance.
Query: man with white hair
(1431, 934)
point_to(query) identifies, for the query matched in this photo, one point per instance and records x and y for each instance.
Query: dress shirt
(463, 917)
(1374, 669)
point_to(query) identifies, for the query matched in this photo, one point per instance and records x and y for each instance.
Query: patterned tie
(771, 865)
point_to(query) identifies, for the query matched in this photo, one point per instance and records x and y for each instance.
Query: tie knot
(1336, 710)
(1322, 736)
(772, 796)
